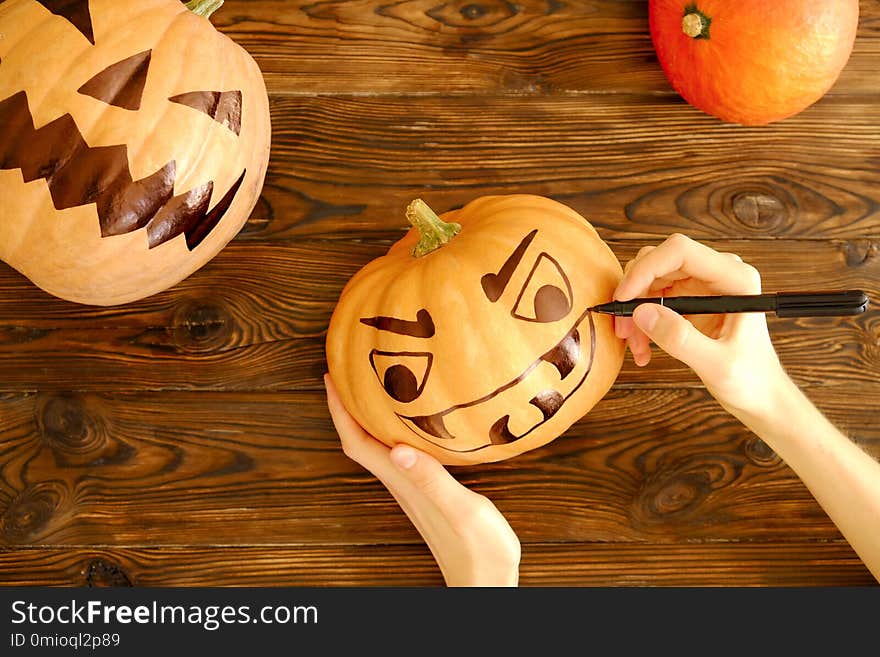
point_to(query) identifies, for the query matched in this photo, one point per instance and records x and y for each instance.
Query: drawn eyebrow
(494, 284)
(423, 327)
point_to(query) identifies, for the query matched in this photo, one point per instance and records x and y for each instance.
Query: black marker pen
(784, 304)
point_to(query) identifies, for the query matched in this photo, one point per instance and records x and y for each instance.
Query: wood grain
(184, 439)
(644, 465)
(255, 318)
(529, 47)
(636, 166)
(795, 563)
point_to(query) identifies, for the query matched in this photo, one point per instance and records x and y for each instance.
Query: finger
(642, 252)
(357, 444)
(677, 336)
(663, 282)
(346, 426)
(682, 254)
(640, 346)
(745, 326)
(429, 478)
(641, 356)
(623, 327)
(420, 471)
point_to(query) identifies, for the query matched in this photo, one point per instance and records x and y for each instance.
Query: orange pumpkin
(472, 339)
(134, 140)
(753, 61)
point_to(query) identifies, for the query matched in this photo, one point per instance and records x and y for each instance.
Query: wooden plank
(796, 563)
(256, 316)
(637, 167)
(535, 47)
(252, 468)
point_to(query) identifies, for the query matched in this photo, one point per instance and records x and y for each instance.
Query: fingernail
(645, 317)
(404, 456)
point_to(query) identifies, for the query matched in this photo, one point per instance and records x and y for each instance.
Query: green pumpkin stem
(204, 7)
(433, 231)
(695, 23)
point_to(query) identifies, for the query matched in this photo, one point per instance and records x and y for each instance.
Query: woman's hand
(471, 541)
(732, 354)
(734, 357)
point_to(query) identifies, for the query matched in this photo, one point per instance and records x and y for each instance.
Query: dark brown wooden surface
(184, 440)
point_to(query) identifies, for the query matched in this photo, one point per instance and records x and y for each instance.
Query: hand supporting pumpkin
(471, 541)
(734, 357)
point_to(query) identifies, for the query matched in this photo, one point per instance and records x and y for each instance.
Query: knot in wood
(102, 573)
(871, 354)
(527, 84)
(859, 252)
(68, 427)
(482, 16)
(12, 335)
(260, 219)
(760, 453)
(473, 11)
(30, 511)
(679, 494)
(679, 491)
(758, 210)
(202, 327)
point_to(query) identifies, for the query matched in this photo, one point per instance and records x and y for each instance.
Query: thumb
(675, 335)
(428, 475)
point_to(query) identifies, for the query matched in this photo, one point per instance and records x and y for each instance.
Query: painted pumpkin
(753, 61)
(134, 140)
(472, 339)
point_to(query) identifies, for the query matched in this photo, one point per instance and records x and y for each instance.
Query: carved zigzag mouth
(78, 174)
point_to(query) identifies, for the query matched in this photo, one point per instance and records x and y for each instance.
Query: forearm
(844, 479)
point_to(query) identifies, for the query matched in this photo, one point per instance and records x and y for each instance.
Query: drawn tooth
(500, 433)
(433, 425)
(564, 356)
(548, 402)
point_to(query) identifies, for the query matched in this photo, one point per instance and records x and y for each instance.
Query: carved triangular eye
(76, 12)
(222, 106)
(121, 84)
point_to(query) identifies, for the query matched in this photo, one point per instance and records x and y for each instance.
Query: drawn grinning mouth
(564, 356)
(78, 174)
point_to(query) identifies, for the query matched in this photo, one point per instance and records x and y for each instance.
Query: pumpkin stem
(695, 23)
(433, 231)
(204, 7)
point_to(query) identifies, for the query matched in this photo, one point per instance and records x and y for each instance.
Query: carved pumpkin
(753, 61)
(134, 140)
(471, 339)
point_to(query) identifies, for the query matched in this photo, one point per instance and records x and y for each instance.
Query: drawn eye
(546, 294)
(402, 373)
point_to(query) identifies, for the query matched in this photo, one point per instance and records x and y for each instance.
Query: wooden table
(184, 439)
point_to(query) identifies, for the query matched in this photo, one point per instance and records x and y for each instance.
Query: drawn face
(533, 290)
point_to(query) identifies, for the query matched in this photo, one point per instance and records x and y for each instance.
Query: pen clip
(820, 303)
